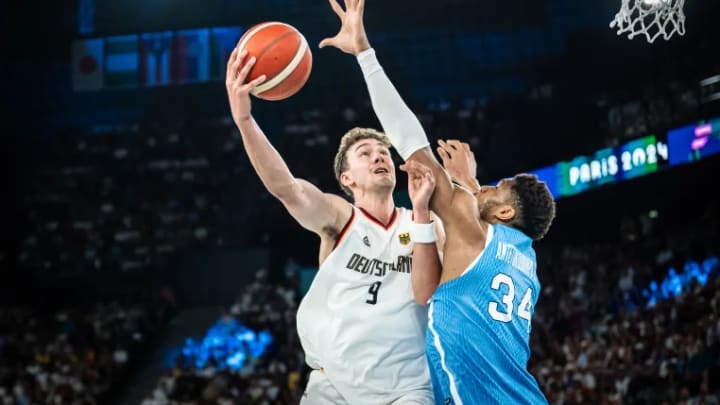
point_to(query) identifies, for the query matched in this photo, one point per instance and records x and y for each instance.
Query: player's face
(370, 165)
(490, 199)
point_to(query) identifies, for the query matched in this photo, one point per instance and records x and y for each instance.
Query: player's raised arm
(398, 121)
(427, 233)
(313, 209)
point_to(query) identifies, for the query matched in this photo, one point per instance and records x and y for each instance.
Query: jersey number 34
(504, 312)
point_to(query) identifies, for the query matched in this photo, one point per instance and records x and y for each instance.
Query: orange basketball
(283, 56)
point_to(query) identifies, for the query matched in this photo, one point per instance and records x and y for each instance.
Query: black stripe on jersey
(377, 221)
(345, 229)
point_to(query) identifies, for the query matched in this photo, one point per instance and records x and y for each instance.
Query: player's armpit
(315, 210)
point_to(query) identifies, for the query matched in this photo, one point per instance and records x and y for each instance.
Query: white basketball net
(651, 18)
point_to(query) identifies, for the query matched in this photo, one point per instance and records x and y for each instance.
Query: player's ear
(503, 212)
(346, 180)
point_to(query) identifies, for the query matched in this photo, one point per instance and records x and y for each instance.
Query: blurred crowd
(276, 377)
(602, 332)
(78, 355)
(128, 201)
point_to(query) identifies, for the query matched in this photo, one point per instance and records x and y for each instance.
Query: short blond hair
(350, 138)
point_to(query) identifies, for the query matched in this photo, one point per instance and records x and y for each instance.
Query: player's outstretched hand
(421, 184)
(459, 161)
(238, 91)
(352, 38)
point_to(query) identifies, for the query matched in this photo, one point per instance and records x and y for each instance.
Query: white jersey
(359, 321)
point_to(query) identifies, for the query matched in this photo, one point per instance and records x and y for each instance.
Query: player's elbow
(422, 295)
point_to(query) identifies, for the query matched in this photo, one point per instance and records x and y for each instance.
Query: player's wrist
(361, 46)
(423, 233)
(421, 215)
(366, 55)
(244, 120)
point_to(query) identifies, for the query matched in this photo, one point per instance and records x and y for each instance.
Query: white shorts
(320, 391)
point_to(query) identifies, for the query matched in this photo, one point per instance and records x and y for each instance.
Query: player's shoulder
(338, 200)
(342, 206)
(513, 236)
(504, 233)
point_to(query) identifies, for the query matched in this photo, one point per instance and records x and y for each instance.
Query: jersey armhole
(344, 230)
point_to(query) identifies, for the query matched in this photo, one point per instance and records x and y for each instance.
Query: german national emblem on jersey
(404, 238)
(366, 241)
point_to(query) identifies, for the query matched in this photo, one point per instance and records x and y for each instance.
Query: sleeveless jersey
(479, 326)
(359, 321)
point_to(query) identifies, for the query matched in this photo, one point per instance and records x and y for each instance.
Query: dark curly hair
(535, 206)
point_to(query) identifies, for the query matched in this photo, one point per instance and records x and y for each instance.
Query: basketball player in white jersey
(362, 323)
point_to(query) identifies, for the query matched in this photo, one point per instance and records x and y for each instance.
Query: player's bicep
(442, 196)
(316, 211)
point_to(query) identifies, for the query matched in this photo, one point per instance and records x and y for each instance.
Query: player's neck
(380, 207)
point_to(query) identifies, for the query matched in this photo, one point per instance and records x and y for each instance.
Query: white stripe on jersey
(438, 345)
(488, 238)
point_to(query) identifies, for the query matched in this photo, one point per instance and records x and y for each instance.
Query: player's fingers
(447, 147)
(327, 42)
(454, 143)
(230, 62)
(411, 173)
(466, 146)
(350, 4)
(409, 168)
(237, 65)
(420, 166)
(246, 69)
(232, 65)
(258, 81)
(336, 8)
(360, 5)
(430, 178)
(443, 155)
(449, 151)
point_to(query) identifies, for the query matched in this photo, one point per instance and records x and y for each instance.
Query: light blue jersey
(479, 326)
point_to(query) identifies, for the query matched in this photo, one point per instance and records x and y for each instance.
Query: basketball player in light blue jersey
(479, 316)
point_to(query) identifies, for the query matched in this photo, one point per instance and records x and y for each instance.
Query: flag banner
(87, 63)
(222, 42)
(121, 61)
(190, 61)
(155, 58)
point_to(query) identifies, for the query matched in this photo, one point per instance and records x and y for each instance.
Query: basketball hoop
(651, 18)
